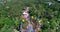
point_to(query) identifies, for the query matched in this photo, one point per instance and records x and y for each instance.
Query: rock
(15, 30)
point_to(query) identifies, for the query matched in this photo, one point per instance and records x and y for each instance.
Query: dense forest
(47, 10)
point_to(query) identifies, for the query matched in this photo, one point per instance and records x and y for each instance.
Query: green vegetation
(12, 9)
